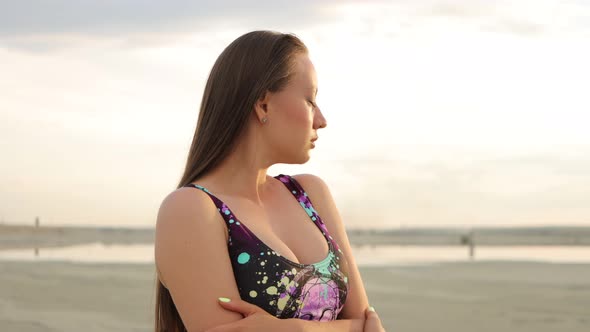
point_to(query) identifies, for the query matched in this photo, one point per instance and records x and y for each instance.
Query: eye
(312, 103)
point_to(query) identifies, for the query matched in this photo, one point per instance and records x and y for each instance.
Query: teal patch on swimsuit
(243, 258)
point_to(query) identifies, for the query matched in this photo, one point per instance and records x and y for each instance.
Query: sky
(440, 113)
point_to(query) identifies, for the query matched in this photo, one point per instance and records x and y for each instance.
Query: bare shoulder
(321, 197)
(182, 201)
(181, 211)
(182, 205)
(191, 239)
(312, 183)
(322, 200)
(309, 179)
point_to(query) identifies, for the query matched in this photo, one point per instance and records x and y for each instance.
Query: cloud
(548, 187)
(39, 26)
(136, 16)
(46, 25)
(523, 17)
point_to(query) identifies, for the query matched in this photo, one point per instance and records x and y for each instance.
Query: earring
(264, 120)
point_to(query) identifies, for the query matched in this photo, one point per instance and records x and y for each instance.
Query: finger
(239, 305)
(228, 327)
(372, 320)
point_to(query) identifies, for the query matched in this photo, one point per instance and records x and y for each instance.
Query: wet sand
(466, 296)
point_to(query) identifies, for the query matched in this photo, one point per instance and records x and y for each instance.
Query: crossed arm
(192, 259)
(257, 319)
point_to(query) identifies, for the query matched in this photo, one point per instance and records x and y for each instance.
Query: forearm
(348, 325)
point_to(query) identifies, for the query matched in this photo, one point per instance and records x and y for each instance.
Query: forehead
(305, 74)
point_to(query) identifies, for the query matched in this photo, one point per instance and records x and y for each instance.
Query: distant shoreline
(23, 236)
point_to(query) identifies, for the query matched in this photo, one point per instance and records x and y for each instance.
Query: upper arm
(192, 258)
(319, 193)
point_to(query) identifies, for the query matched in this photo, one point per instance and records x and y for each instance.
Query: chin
(297, 157)
(302, 158)
(307, 156)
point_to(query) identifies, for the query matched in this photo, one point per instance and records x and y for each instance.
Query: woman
(236, 249)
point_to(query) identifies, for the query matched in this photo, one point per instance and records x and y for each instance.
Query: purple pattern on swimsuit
(284, 288)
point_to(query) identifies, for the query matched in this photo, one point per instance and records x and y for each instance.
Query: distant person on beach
(235, 248)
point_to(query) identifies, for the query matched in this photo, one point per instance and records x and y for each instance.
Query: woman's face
(293, 115)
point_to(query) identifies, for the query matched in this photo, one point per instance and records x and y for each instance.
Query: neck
(243, 172)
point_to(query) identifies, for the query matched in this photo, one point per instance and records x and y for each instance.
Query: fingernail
(372, 309)
(224, 299)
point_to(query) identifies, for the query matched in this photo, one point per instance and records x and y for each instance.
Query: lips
(314, 139)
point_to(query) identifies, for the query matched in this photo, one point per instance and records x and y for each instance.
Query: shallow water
(364, 255)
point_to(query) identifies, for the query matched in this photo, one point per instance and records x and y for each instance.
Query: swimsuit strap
(304, 200)
(221, 206)
(294, 187)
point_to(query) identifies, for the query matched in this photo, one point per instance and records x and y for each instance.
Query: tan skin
(189, 228)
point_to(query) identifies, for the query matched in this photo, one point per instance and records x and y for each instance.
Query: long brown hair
(254, 63)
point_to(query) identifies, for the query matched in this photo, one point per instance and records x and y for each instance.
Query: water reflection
(86, 253)
(401, 255)
(364, 255)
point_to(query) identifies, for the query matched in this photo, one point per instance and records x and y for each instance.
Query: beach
(44, 296)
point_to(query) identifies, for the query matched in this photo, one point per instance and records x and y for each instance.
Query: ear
(261, 106)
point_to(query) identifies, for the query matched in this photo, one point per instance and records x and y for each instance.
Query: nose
(320, 120)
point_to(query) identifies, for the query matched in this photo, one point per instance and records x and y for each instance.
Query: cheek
(300, 116)
(292, 115)
(293, 124)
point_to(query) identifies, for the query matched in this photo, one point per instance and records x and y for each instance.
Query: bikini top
(284, 288)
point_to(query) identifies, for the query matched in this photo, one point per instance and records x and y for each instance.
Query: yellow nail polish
(372, 309)
(224, 299)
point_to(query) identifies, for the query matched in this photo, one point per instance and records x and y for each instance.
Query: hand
(255, 318)
(372, 321)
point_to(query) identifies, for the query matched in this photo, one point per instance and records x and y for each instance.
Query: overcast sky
(466, 112)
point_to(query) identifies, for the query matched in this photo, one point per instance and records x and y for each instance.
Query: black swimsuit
(284, 288)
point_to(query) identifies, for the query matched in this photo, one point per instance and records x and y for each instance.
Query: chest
(284, 225)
